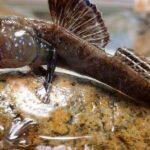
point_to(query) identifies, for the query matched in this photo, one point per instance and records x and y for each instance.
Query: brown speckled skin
(82, 57)
(23, 49)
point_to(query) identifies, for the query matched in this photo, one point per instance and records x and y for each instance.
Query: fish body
(80, 56)
(79, 36)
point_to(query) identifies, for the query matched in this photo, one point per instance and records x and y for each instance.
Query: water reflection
(16, 134)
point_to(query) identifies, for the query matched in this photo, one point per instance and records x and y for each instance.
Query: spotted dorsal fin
(81, 18)
(138, 63)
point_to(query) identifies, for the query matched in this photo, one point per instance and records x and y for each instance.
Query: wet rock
(82, 114)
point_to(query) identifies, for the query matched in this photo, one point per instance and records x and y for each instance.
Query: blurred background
(128, 21)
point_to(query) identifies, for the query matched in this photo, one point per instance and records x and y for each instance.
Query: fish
(76, 39)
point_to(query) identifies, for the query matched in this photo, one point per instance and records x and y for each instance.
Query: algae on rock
(81, 114)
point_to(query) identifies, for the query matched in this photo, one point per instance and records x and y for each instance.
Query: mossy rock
(82, 114)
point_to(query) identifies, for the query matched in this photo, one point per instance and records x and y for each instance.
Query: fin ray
(82, 18)
(134, 61)
(83, 23)
(77, 19)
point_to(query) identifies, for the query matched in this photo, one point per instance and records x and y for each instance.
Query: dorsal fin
(81, 18)
(138, 63)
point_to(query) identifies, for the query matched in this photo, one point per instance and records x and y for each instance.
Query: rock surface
(82, 114)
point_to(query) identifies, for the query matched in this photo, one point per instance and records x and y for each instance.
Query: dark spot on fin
(137, 63)
(81, 18)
